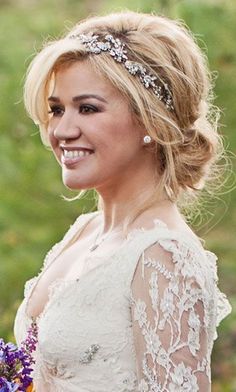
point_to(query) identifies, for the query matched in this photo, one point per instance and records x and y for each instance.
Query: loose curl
(187, 145)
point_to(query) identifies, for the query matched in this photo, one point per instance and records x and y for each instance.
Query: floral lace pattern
(174, 308)
(144, 320)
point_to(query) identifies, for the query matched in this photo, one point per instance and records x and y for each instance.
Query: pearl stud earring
(147, 139)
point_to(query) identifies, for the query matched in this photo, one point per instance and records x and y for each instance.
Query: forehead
(81, 78)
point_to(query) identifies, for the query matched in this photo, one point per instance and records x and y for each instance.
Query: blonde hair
(187, 143)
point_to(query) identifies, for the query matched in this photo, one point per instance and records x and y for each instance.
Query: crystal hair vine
(117, 50)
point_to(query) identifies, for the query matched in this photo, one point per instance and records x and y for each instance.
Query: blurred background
(33, 215)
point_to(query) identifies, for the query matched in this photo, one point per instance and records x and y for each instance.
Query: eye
(56, 111)
(86, 109)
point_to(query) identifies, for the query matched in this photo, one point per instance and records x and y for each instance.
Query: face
(93, 134)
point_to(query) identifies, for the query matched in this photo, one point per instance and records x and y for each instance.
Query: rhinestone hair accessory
(116, 48)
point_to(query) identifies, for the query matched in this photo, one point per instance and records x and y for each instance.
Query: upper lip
(74, 148)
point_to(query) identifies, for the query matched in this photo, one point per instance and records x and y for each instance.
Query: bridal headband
(116, 48)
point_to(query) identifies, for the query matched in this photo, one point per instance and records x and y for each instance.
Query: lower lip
(72, 161)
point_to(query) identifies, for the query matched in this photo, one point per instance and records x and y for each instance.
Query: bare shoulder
(169, 214)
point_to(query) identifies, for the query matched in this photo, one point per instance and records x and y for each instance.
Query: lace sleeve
(170, 320)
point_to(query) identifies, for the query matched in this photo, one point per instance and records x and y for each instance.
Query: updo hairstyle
(186, 141)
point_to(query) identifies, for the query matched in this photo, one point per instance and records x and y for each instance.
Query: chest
(70, 264)
(93, 312)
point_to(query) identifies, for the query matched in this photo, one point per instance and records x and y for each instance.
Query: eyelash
(56, 111)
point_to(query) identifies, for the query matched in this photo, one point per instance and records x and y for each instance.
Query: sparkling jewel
(117, 49)
(94, 247)
(97, 242)
(88, 355)
(147, 139)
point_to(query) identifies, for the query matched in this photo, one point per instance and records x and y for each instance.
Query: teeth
(76, 153)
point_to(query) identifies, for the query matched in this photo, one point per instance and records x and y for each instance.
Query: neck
(119, 202)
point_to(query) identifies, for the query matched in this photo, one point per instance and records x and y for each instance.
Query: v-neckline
(157, 224)
(44, 269)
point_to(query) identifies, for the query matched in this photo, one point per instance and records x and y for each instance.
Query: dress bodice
(104, 331)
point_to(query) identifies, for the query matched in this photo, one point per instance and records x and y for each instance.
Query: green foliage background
(33, 215)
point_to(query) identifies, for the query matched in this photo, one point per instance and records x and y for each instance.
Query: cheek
(54, 145)
(53, 141)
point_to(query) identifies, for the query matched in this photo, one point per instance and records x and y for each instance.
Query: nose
(67, 128)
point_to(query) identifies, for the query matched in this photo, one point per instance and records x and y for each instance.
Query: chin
(75, 185)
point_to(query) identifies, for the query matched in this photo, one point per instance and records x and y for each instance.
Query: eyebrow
(79, 98)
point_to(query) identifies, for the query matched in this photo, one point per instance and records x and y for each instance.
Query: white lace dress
(143, 319)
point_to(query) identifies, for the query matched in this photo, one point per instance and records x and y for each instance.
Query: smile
(76, 153)
(73, 156)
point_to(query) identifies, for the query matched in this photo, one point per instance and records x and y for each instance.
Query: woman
(128, 300)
